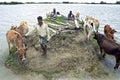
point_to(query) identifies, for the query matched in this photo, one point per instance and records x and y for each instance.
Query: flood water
(14, 14)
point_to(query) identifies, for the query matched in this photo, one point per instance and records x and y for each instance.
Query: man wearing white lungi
(42, 30)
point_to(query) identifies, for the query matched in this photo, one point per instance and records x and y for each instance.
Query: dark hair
(58, 13)
(39, 17)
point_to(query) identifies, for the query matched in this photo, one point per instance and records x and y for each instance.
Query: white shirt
(42, 30)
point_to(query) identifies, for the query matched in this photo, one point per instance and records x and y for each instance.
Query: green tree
(117, 2)
(102, 2)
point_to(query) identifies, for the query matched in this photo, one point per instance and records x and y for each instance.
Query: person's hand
(26, 36)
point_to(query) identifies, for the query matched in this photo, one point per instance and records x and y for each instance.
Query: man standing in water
(42, 30)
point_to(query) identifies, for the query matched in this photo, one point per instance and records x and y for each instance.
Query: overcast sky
(108, 1)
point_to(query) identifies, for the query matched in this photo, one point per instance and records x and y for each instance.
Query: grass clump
(58, 20)
(14, 62)
(9, 60)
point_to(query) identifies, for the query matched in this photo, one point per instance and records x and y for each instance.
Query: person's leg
(44, 45)
(44, 48)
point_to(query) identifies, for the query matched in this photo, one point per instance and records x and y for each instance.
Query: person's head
(39, 18)
(58, 13)
(70, 12)
(54, 10)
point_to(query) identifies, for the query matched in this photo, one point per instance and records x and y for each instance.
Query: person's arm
(52, 32)
(31, 32)
(48, 32)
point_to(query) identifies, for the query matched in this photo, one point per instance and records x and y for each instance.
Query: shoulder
(45, 24)
(36, 25)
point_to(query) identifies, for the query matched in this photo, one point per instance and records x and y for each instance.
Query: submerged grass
(9, 60)
(13, 61)
(58, 20)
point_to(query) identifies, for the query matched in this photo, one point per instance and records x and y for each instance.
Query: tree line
(9, 3)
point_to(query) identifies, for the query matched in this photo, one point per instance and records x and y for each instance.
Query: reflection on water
(14, 14)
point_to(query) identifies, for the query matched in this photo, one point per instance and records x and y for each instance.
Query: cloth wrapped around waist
(43, 40)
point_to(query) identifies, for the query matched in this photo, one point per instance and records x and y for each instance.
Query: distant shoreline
(15, 3)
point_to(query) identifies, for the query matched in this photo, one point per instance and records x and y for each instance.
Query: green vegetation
(64, 2)
(58, 20)
(94, 42)
(30, 2)
(102, 2)
(14, 62)
(9, 61)
(11, 3)
(13, 49)
(117, 2)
